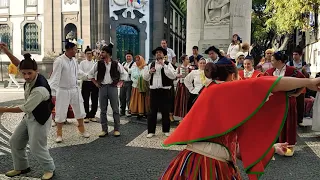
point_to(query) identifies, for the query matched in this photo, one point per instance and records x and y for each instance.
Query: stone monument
(213, 22)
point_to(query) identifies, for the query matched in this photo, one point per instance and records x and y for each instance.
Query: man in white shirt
(301, 66)
(63, 82)
(213, 53)
(125, 91)
(109, 74)
(171, 56)
(160, 74)
(88, 88)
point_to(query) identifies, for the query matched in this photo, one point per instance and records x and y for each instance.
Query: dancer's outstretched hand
(281, 148)
(314, 84)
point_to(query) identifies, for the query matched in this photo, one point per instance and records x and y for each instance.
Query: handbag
(143, 85)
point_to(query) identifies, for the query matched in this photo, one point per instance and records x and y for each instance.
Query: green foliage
(182, 4)
(284, 16)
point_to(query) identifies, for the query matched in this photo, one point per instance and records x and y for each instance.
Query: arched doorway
(70, 31)
(127, 39)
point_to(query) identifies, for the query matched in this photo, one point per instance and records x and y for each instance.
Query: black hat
(70, 45)
(159, 49)
(108, 49)
(224, 61)
(212, 48)
(88, 49)
(129, 52)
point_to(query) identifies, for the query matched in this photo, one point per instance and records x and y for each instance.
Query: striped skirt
(181, 100)
(70, 114)
(189, 165)
(139, 102)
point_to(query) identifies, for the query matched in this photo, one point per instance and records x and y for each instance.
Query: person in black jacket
(35, 125)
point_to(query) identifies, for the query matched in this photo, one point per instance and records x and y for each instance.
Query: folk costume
(160, 93)
(108, 76)
(182, 95)
(125, 90)
(140, 94)
(33, 129)
(63, 82)
(244, 74)
(289, 131)
(214, 136)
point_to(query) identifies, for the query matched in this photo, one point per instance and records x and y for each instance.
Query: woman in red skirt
(182, 95)
(223, 126)
(289, 131)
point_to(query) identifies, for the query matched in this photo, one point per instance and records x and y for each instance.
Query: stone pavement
(131, 156)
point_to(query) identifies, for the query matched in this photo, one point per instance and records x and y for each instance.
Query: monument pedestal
(213, 22)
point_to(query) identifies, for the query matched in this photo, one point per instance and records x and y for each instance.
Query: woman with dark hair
(234, 47)
(35, 125)
(289, 132)
(248, 71)
(215, 138)
(182, 95)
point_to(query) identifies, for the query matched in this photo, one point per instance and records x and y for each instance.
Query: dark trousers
(300, 107)
(191, 99)
(172, 98)
(90, 90)
(159, 100)
(125, 95)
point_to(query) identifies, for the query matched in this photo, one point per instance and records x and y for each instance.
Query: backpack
(303, 63)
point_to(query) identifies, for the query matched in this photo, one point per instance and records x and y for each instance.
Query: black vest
(129, 67)
(114, 73)
(43, 111)
(165, 80)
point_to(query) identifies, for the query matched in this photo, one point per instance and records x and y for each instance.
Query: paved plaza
(132, 155)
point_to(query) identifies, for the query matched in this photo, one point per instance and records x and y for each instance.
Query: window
(31, 38)
(4, 3)
(5, 34)
(32, 2)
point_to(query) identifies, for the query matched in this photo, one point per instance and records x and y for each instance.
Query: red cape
(239, 106)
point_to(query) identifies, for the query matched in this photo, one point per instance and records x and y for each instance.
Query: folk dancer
(289, 131)
(35, 125)
(248, 71)
(160, 74)
(64, 83)
(182, 95)
(215, 142)
(213, 53)
(140, 95)
(171, 58)
(125, 90)
(301, 66)
(109, 74)
(195, 81)
(13, 72)
(89, 90)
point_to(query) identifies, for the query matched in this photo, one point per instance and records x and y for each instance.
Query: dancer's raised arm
(290, 83)
(12, 58)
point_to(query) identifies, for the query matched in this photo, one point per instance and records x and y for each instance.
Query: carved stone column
(158, 22)
(103, 20)
(194, 23)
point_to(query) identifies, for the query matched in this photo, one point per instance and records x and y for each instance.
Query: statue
(70, 2)
(217, 12)
(131, 3)
(71, 35)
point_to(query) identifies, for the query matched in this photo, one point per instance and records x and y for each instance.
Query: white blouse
(184, 71)
(193, 81)
(280, 72)
(233, 50)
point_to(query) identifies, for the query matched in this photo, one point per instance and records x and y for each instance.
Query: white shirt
(211, 60)
(296, 65)
(280, 72)
(233, 50)
(170, 54)
(127, 65)
(85, 66)
(184, 71)
(248, 74)
(157, 79)
(136, 73)
(65, 73)
(107, 78)
(193, 81)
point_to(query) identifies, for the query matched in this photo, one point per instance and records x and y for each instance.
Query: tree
(182, 5)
